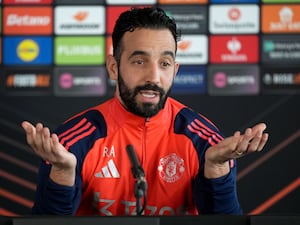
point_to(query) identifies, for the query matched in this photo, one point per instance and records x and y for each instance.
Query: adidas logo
(109, 171)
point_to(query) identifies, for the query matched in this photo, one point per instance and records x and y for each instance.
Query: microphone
(140, 181)
(136, 168)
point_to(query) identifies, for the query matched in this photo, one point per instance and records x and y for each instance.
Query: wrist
(215, 170)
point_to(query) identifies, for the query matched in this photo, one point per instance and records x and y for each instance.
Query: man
(189, 165)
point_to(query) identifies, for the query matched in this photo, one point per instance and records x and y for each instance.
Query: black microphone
(136, 168)
(140, 189)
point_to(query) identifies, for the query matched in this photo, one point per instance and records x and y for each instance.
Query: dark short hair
(147, 17)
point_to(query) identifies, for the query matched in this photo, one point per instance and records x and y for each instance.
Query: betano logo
(28, 50)
(27, 20)
(280, 18)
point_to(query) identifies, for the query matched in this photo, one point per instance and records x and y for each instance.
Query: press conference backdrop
(240, 64)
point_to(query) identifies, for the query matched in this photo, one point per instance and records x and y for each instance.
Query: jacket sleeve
(77, 135)
(55, 199)
(217, 196)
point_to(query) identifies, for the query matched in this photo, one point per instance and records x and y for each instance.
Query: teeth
(148, 95)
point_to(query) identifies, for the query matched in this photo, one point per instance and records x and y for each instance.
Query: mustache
(150, 87)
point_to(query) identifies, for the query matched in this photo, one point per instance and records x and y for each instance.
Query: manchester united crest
(171, 168)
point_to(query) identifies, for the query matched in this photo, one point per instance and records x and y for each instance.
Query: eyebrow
(139, 52)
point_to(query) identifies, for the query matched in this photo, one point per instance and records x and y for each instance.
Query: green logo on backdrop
(280, 1)
(79, 50)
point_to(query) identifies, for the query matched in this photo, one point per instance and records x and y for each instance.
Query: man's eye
(140, 61)
(166, 64)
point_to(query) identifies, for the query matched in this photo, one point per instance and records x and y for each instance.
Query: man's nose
(153, 73)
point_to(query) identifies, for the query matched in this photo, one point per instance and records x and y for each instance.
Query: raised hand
(47, 146)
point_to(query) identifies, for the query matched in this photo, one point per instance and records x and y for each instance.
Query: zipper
(144, 134)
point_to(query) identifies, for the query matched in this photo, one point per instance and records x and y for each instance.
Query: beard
(141, 109)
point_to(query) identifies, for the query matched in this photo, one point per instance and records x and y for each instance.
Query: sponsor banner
(233, 80)
(79, 20)
(29, 81)
(233, 49)
(280, 80)
(109, 46)
(280, 49)
(80, 81)
(280, 1)
(77, 50)
(189, 19)
(237, 19)
(182, 1)
(112, 14)
(74, 2)
(190, 80)
(234, 1)
(0, 50)
(31, 2)
(27, 20)
(192, 49)
(23, 50)
(130, 2)
(280, 18)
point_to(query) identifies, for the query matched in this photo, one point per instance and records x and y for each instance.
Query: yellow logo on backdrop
(28, 50)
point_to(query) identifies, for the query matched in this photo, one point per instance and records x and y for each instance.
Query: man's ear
(176, 68)
(112, 67)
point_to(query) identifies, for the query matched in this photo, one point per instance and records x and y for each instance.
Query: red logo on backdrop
(234, 14)
(27, 20)
(112, 13)
(20, 2)
(234, 49)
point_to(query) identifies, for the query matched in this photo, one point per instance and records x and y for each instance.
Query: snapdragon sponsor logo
(237, 19)
(79, 50)
(280, 18)
(27, 81)
(190, 80)
(280, 80)
(80, 81)
(27, 50)
(81, 20)
(189, 19)
(233, 80)
(127, 2)
(192, 49)
(281, 49)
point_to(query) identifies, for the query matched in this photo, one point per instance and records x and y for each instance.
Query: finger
(46, 140)
(55, 143)
(30, 132)
(39, 136)
(263, 141)
(246, 138)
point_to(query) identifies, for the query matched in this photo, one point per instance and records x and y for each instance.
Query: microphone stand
(140, 186)
(139, 193)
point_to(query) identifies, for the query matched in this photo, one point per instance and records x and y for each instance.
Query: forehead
(152, 41)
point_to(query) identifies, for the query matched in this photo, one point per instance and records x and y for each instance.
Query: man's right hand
(47, 146)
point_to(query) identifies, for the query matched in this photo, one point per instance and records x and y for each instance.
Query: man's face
(146, 71)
